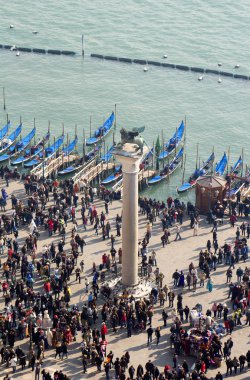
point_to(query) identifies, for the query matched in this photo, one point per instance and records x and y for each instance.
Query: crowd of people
(40, 271)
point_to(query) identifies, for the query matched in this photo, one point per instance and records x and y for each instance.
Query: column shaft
(130, 228)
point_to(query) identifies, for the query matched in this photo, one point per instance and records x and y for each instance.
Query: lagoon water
(70, 89)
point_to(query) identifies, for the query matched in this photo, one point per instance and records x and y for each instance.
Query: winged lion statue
(131, 136)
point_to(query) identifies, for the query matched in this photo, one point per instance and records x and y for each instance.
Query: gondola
(74, 168)
(66, 152)
(235, 184)
(102, 132)
(71, 146)
(93, 152)
(48, 152)
(6, 143)
(4, 131)
(169, 168)
(107, 156)
(221, 166)
(114, 176)
(203, 170)
(19, 147)
(69, 170)
(237, 167)
(173, 143)
(33, 151)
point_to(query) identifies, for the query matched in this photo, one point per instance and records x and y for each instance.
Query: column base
(140, 290)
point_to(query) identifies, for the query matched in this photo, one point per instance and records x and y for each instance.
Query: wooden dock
(143, 175)
(52, 164)
(92, 170)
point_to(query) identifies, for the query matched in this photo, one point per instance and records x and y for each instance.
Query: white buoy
(17, 53)
(145, 69)
(34, 32)
(11, 26)
(237, 66)
(219, 80)
(200, 78)
(165, 56)
(219, 64)
(13, 48)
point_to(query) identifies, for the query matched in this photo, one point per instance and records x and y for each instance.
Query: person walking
(229, 364)
(84, 364)
(218, 376)
(239, 274)
(13, 363)
(175, 357)
(236, 364)
(247, 317)
(107, 370)
(131, 372)
(242, 360)
(196, 228)
(37, 371)
(229, 274)
(165, 317)
(158, 335)
(150, 334)
(178, 232)
(209, 285)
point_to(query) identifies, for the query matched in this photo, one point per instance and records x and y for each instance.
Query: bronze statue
(130, 137)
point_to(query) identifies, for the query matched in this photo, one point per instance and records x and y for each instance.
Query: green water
(68, 90)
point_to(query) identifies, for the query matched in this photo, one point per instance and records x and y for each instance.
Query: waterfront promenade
(176, 255)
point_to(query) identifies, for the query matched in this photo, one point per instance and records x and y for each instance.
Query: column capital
(130, 158)
(130, 165)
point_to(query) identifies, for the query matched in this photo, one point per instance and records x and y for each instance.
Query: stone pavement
(177, 255)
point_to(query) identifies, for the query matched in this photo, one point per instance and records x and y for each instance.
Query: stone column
(130, 169)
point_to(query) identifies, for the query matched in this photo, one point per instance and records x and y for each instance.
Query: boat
(237, 184)
(33, 151)
(221, 166)
(114, 176)
(233, 178)
(69, 170)
(173, 143)
(48, 152)
(88, 156)
(145, 158)
(66, 151)
(169, 168)
(107, 156)
(19, 147)
(93, 152)
(6, 143)
(71, 146)
(203, 170)
(4, 131)
(101, 132)
(237, 167)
